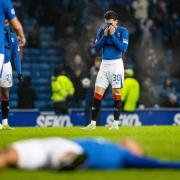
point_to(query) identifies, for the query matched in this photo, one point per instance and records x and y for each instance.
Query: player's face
(111, 21)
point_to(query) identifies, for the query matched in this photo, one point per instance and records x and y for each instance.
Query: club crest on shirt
(12, 11)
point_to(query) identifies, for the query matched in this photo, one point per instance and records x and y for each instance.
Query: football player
(12, 55)
(113, 40)
(7, 12)
(84, 153)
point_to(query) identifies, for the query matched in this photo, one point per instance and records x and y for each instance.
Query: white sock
(5, 122)
(93, 122)
(116, 122)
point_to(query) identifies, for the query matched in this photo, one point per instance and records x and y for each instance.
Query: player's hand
(20, 78)
(22, 41)
(112, 30)
(106, 31)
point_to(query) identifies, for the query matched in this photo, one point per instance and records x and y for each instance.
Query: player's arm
(19, 30)
(100, 40)
(11, 16)
(133, 161)
(121, 45)
(16, 57)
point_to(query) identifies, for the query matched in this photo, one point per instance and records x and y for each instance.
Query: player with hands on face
(113, 40)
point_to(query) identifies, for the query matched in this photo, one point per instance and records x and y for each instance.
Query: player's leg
(117, 79)
(5, 107)
(6, 83)
(117, 105)
(1, 65)
(97, 98)
(8, 157)
(100, 87)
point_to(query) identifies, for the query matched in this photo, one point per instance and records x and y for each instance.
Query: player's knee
(116, 92)
(117, 97)
(5, 97)
(98, 96)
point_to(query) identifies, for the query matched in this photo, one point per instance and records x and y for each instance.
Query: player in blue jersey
(7, 12)
(87, 153)
(12, 55)
(113, 40)
(103, 154)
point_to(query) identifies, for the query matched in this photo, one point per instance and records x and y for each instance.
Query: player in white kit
(113, 40)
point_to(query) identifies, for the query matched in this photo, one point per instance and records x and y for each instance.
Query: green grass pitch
(157, 141)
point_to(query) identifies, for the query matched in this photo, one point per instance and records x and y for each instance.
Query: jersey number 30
(116, 77)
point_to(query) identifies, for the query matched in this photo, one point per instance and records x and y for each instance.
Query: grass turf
(159, 141)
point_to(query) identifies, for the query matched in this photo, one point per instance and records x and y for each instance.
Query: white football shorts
(43, 153)
(111, 73)
(6, 75)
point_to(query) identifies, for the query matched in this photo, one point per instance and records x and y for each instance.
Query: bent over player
(113, 40)
(12, 54)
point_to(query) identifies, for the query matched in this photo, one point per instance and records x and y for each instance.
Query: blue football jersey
(113, 45)
(102, 154)
(12, 49)
(6, 12)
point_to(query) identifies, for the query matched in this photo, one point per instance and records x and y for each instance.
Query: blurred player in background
(84, 153)
(12, 55)
(113, 39)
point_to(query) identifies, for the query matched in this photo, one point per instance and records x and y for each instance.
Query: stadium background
(59, 31)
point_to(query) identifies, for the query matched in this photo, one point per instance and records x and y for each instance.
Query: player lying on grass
(12, 55)
(84, 153)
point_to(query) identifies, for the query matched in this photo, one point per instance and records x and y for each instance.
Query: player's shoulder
(4, 3)
(122, 28)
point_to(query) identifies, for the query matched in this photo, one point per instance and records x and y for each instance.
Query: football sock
(96, 107)
(93, 122)
(5, 122)
(5, 110)
(117, 106)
